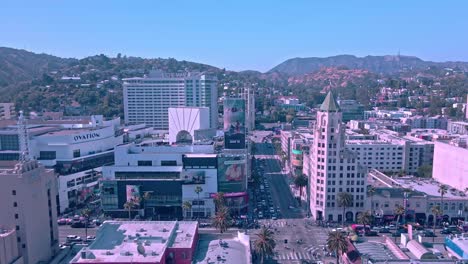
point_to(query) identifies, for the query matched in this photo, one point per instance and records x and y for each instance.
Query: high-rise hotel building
(332, 168)
(147, 99)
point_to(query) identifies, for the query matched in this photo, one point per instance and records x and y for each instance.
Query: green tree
(364, 219)
(198, 190)
(300, 182)
(86, 213)
(399, 211)
(221, 219)
(436, 211)
(344, 200)
(443, 189)
(219, 200)
(265, 244)
(187, 206)
(337, 242)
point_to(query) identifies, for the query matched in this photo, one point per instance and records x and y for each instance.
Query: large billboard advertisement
(133, 194)
(232, 174)
(234, 123)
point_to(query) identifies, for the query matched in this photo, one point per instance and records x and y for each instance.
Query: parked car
(78, 224)
(384, 230)
(73, 238)
(62, 221)
(371, 233)
(445, 231)
(428, 233)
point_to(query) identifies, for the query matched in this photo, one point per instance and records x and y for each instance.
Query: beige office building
(28, 195)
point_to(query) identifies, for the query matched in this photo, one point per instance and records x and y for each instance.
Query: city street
(66, 230)
(297, 239)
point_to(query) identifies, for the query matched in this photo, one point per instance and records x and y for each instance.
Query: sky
(237, 35)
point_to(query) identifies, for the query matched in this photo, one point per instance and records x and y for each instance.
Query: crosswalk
(298, 255)
(274, 223)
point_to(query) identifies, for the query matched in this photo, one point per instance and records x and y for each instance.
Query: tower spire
(23, 138)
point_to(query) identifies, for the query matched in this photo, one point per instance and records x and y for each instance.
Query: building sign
(234, 123)
(133, 194)
(232, 174)
(86, 136)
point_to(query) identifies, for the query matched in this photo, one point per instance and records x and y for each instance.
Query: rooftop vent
(108, 253)
(164, 230)
(142, 230)
(154, 253)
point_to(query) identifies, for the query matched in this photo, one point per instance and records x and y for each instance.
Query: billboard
(234, 123)
(133, 194)
(194, 177)
(232, 174)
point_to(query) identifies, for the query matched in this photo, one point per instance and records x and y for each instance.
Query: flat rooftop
(64, 132)
(226, 251)
(137, 241)
(428, 186)
(375, 250)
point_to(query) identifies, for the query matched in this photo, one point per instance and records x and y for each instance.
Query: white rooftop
(137, 241)
(226, 251)
(428, 186)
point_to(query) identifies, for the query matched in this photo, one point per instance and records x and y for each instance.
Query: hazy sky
(238, 35)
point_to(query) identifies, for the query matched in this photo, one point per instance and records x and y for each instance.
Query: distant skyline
(238, 35)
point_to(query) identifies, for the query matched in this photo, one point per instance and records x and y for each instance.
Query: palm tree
(436, 211)
(399, 211)
(187, 206)
(129, 205)
(198, 190)
(443, 189)
(300, 181)
(221, 219)
(265, 243)
(86, 213)
(364, 219)
(337, 242)
(219, 200)
(344, 200)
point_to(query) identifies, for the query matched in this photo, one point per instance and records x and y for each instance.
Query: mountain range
(20, 65)
(377, 64)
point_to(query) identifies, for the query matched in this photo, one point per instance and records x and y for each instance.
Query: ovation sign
(86, 136)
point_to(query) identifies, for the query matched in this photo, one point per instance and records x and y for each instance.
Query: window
(76, 153)
(15, 204)
(168, 163)
(17, 227)
(16, 216)
(145, 163)
(13, 192)
(47, 155)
